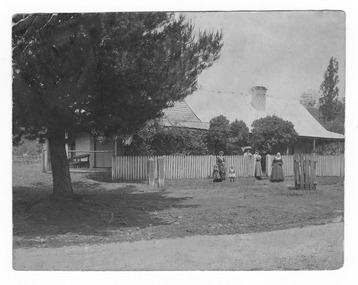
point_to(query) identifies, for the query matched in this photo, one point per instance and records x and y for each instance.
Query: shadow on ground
(103, 211)
(93, 211)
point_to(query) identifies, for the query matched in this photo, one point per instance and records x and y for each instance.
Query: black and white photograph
(178, 140)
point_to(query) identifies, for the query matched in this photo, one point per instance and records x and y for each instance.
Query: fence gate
(305, 167)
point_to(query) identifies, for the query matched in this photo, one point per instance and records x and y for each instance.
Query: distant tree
(272, 134)
(218, 134)
(309, 99)
(28, 147)
(330, 148)
(238, 137)
(179, 141)
(329, 106)
(105, 74)
(336, 125)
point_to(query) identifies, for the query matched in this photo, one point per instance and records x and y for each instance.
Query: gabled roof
(208, 105)
(181, 112)
(180, 115)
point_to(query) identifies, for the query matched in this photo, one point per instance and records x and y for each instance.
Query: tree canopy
(329, 109)
(28, 147)
(329, 92)
(272, 134)
(218, 134)
(105, 74)
(238, 137)
(309, 98)
(154, 139)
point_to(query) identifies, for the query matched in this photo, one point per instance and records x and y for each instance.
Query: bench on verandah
(80, 161)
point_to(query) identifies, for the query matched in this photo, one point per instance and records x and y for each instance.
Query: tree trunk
(62, 187)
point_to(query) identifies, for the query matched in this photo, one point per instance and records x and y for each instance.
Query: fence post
(113, 170)
(314, 164)
(295, 171)
(307, 179)
(43, 160)
(310, 171)
(161, 171)
(151, 177)
(268, 165)
(46, 158)
(253, 165)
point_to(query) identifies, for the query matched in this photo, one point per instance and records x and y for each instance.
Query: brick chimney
(258, 99)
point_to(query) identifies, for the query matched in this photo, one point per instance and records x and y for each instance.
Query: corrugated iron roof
(207, 105)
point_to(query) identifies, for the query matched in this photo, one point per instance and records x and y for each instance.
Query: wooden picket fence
(330, 165)
(188, 167)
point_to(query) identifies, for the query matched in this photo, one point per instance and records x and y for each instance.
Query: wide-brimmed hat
(245, 148)
(221, 152)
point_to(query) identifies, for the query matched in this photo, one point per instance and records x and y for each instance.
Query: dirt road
(310, 248)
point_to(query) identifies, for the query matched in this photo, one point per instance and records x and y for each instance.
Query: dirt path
(310, 248)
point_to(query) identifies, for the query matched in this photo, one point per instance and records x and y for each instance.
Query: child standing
(232, 174)
(216, 174)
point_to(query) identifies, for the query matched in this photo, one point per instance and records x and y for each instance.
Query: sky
(287, 52)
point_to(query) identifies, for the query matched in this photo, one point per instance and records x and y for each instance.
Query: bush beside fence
(188, 167)
(27, 159)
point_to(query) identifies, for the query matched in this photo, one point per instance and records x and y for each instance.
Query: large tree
(329, 103)
(106, 74)
(272, 134)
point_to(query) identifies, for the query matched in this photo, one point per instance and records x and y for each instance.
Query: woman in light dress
(258, 168)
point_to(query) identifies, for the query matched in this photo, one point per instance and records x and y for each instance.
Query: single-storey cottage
(198, 109)
(248, 108)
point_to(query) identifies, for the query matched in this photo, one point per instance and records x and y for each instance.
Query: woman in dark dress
(220, 162)
(277, 171)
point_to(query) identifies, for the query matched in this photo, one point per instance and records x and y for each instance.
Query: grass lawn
(104, 211)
